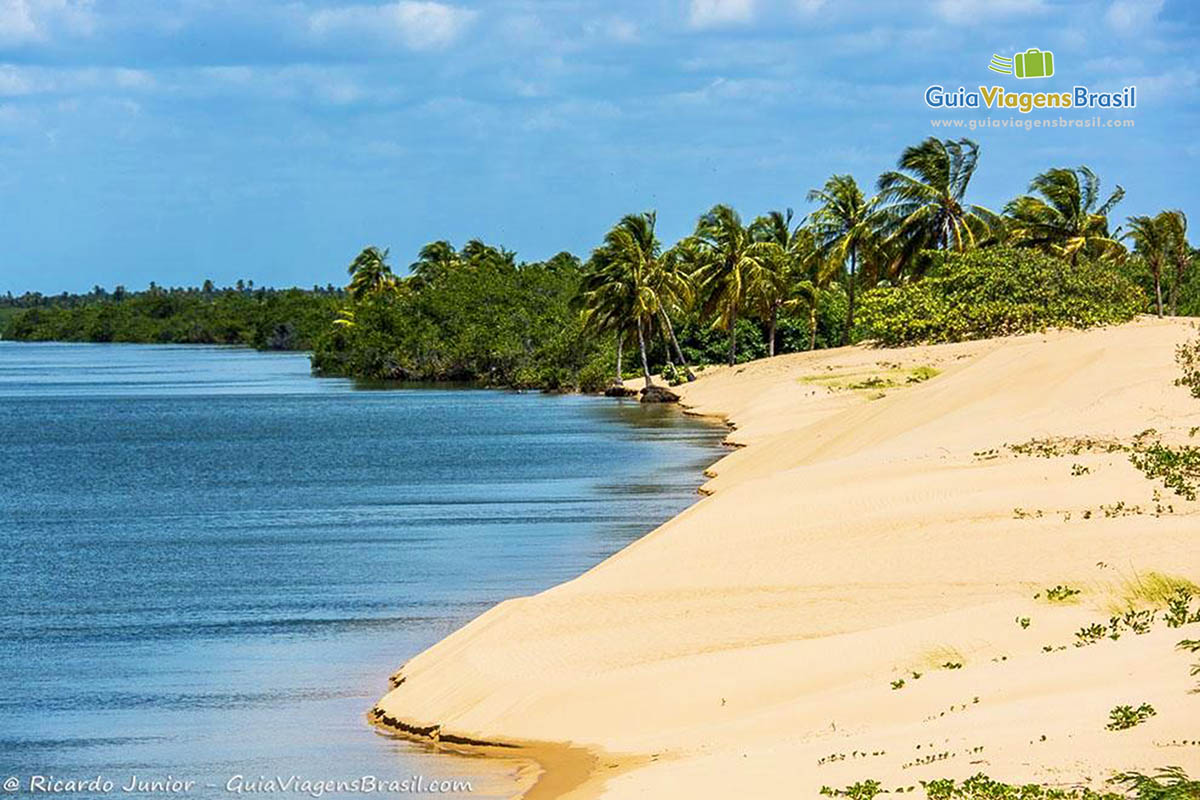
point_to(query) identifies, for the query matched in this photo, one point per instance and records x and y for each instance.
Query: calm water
(212, 561)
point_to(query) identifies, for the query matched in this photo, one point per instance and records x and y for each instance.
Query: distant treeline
(915, 262)
(268, 319)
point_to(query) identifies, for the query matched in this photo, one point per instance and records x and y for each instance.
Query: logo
(1033, 63)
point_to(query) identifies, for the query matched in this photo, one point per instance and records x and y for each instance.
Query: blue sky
(175, 141)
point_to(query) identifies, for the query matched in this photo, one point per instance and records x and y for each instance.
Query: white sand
(854, 540)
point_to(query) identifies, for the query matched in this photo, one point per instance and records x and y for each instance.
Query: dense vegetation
(268, 319)
(995, 292)
(474, 315)
(915, 262)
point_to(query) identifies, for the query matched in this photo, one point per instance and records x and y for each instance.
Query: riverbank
(885, 583)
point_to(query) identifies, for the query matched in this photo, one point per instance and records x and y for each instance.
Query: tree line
(269, 319)
(636, 292)
(914, 259)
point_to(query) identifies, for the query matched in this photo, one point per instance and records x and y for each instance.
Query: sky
(179, 140)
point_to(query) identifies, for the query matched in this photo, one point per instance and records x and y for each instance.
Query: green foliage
(1177, 467)
(1123, 718)
(1179, 609)
(1061, 594)
(863, 790)
(1192, 646)
(981, 787)
(1187, 355)
(1169, 783)
(478, 317)
(997, 292)
(1064, 215)
(288, 319)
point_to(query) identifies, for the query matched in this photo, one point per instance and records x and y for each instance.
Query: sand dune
(874, 526)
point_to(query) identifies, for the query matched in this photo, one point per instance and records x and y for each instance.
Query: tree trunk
(771, 332)
(645, 361)
(620, 345)
(1179, 271)
(733, 337)
(812, 322)
(678, 351)
(850, 292)
(1158, 289)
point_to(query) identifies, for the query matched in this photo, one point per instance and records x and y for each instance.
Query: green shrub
(1123, 718)
(997, 292)
(1177, 467)
(1188, 357)
(595, 376)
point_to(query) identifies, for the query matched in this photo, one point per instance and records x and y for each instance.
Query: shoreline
(554, 769)
(560, 769)
(726, 647)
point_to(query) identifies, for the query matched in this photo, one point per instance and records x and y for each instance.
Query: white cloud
(415, 24)
(973, 11)
(718, 13)
(1131, 16)
(26, 21)
(810, 7)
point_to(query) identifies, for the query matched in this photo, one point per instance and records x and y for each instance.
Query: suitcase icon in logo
(1033, 63)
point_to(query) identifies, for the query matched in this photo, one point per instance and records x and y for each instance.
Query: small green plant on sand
(1024, 622)
(1090, 635)
(1188, 357)
(1123, 718)
(863, 790)
(1192, 646)
(1061, 594)
(981, 787)
(1179, 609)
(1168, 783)
(898, 684)
(922, 374)
(1177, 467)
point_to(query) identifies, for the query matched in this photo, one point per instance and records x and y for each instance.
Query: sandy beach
(864, 593)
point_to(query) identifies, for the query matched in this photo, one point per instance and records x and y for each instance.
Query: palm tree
(1068, 218)
(435, 260)
(813, 274)
(844, 229)
(1179, 252)
(1152, 241)
(605, 301)
(927, 209)
(727, 263)
(783, 250)
(370, 274)
(622, 288)
(672, 283)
